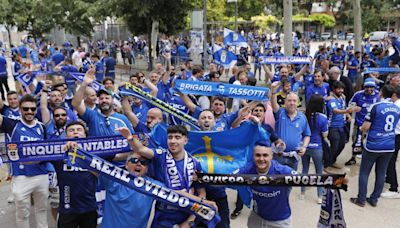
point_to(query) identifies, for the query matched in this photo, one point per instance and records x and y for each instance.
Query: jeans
(337, 138)
(316, 155)
(391, 175)
(289, 161)
(381, 161)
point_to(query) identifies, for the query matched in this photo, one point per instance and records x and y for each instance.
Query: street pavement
(305, 213)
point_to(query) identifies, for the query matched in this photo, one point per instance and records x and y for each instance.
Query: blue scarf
(175, 179)
(86, 160)
(331, 210)
(381, 70)
(222, 89)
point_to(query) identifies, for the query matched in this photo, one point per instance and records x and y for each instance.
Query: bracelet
(202, 199)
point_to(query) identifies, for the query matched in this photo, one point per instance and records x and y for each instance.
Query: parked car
(281, 35)
(377, 35)
(325, 36)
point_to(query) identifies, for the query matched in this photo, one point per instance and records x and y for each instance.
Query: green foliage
(246, 9)
(264, 21)
(298, 18)
(323, 19)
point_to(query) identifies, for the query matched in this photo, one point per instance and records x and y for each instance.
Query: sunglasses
(59, 115)
(25, 109)
(137, 160)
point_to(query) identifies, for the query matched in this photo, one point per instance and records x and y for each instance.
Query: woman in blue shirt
(319, 131)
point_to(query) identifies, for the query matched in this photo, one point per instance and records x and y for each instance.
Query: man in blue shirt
(338, 113)
(318, 87)
(292, 127)
(353, 66)
(99, 66)
(57, 57)
(77, 187)
(109, 64)
(29, 180)
(12, 109)
(270, 203)
(101, 123)
(3, 77)
(362, 100)
(380, 123)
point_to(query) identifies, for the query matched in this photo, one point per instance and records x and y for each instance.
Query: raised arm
(128, 112)
(153, 88)
(137, 146)
(44, 110)
(268, 74)
(189, 103)
(77, 101)
(302, 71)
(274, 101)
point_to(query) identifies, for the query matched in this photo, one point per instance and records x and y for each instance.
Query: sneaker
(357, 202)
(391, 195)
(301, 196)
(371, 202)
(235, 214)
(352, 161)
(319, 201)
(359, 156)
(337, 166)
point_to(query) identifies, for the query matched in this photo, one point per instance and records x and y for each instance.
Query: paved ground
(305, 212)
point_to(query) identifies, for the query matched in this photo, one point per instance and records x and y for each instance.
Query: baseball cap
(103, 90)
(369, 82)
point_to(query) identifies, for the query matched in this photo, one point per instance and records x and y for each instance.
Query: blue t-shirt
(290, 131)
(336, 120)
(9, 112)
(141, 111)
(176, 175)
(337, 60)
(19, 131)
(110, 63)
(99, 71)
(270, 202)
(101, 125)
(77, 189)
(3, 67)
(23, 51)
(313, 89)
(53, 132)
(125, 207)
(318, 126)
(57, 58)
(383, 116)
(363, 100)
(69, 79)
(353, 72)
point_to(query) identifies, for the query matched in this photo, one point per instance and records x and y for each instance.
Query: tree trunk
(150, 65)
(8, 28)
(357, 25)
(288, 27)
(78, 39)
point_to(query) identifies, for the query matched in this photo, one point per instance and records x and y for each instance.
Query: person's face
(137, 101)
(395, 81)
(137, 165)
(318, 79)
(154, 78)
(284, 72)
(243, 79)
(28, 111)
(258, 112)
(105, 102)
(159, 66)
(248, 67)
(176, 142)
(134, 80)
(62, 90)
(334, 76)
(55, 98)
(91, 96)
(218, 107)
(189, 65)
(369, 90)
(262, 158)
(76, 131)
(286, 87)
(291, 102)
(173, 72)
(206, 121)
(212, 67)
(60, 117)
(153, 115)
(338, 91)
(215, 78)
(109, 85)
(13, 100)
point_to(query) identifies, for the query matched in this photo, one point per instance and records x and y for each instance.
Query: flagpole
(205, 53)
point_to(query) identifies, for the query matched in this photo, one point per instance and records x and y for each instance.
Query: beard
(105, 107)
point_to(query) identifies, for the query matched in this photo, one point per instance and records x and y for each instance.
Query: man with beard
(362, 100)
(338, 113)
(101, 123)
(29, 180)
(318, 87)
(283, 74)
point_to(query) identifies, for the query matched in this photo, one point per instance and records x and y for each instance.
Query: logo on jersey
(12, 150)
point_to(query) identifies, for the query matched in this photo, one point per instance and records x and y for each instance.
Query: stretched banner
(222, 89)
(284, 60)
(50, 150)
(131, 90)
(334, 181)
(145, 186)
(384, 70)
(217, 151)
(331, 210)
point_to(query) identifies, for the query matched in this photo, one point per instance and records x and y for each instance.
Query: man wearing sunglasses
(28, 179)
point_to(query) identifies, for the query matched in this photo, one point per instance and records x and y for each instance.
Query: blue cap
(369, 82)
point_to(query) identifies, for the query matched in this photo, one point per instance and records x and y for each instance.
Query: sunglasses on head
(58, 115)
(25, 109)
(137, 160)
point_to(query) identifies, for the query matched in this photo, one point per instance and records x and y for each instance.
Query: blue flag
(216, 151)
(232, 38)
(225, 58)
(222, 89)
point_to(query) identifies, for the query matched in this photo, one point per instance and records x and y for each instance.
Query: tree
(263, 22)
(139, 16)
(8, 15)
